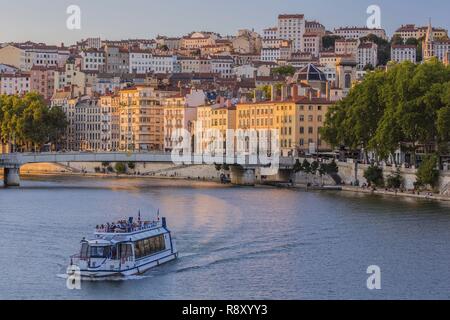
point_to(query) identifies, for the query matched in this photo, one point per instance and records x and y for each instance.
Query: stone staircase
(445, 191)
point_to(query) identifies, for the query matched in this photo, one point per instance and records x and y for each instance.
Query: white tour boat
(124, 249)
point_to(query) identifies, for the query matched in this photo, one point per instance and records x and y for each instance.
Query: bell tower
(428, 44)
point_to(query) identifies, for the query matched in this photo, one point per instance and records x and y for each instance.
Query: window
(147, 247)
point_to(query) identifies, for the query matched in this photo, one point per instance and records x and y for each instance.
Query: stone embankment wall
(163, 170)
(350, 172)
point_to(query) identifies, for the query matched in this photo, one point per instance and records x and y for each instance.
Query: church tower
(428, 43)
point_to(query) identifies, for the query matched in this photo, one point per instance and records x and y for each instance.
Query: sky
(45, 20)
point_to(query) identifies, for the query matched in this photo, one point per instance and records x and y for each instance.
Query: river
(234, 243)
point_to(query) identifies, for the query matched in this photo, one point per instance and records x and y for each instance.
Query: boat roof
(114, 238)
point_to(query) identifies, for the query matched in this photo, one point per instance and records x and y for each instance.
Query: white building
(140, 61)
(292, 27)
(26, 55)
(222, 65)
(163, 63)
(401, 53)
(6, 68)
(246, 71)
(359, 32)
(281, 52)
(15, 83)
(312, 43)
(92, 60)
(346, 46)
(367, 55)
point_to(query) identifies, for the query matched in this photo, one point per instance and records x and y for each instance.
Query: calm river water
(234, 243)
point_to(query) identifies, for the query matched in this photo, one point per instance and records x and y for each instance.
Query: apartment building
(92, 60)
(401, 53)
(179, 117)
(141, 119)
(312, 43)
(15, 83)
(298, 122)
(357, 33)
(222, 65)
(215, 121)
(42, 81)
(346, 46)
(110, 122)
(292, 27)
(117, 59)
(26, 55)
(412, 31)
(367, 55)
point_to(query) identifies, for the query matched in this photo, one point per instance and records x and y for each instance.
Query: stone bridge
(242, 167)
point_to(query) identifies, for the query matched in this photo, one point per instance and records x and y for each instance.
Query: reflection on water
(234, 243)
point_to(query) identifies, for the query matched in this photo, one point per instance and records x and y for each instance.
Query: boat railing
(129, 229)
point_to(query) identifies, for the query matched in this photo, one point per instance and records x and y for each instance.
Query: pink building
(42, 81)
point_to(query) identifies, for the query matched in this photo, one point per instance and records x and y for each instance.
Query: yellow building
(213, 121)
(110, 136)
(298, 122)
(178, 116)
(141, 119)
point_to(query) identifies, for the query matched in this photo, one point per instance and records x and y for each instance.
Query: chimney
(295, 92)
(327, 91)
(310, 94)
(222, 101)
(283, 93)
(273, 92)
(319, 94)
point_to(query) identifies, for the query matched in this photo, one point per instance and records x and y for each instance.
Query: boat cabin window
(147, 247)
(126, 251)
(99, 252)
(84, 253)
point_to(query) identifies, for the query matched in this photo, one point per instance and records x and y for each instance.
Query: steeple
(428, 45)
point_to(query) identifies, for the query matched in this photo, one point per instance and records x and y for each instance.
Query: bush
(395, 181)
(131, 165)
(97, 169)
(110, 169)
(428, 174)
(298, 166)
(332, 168)
(120, 168)
(374, 176)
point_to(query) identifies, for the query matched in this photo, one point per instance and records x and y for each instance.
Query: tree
(120, 168)
(284, 71)
(332, 168)
(328, 42)
(306, 166)
(374, 176)
(443, 124)
(314, 167)
(396, 40)
(384, 48)
(298, 166)
(403, 108)
(395, 181)
(428, 174)
(368, 67)
(28, 123)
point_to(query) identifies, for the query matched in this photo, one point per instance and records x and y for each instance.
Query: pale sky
(45, 20)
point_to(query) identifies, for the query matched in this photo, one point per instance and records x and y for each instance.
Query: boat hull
(137, 269)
